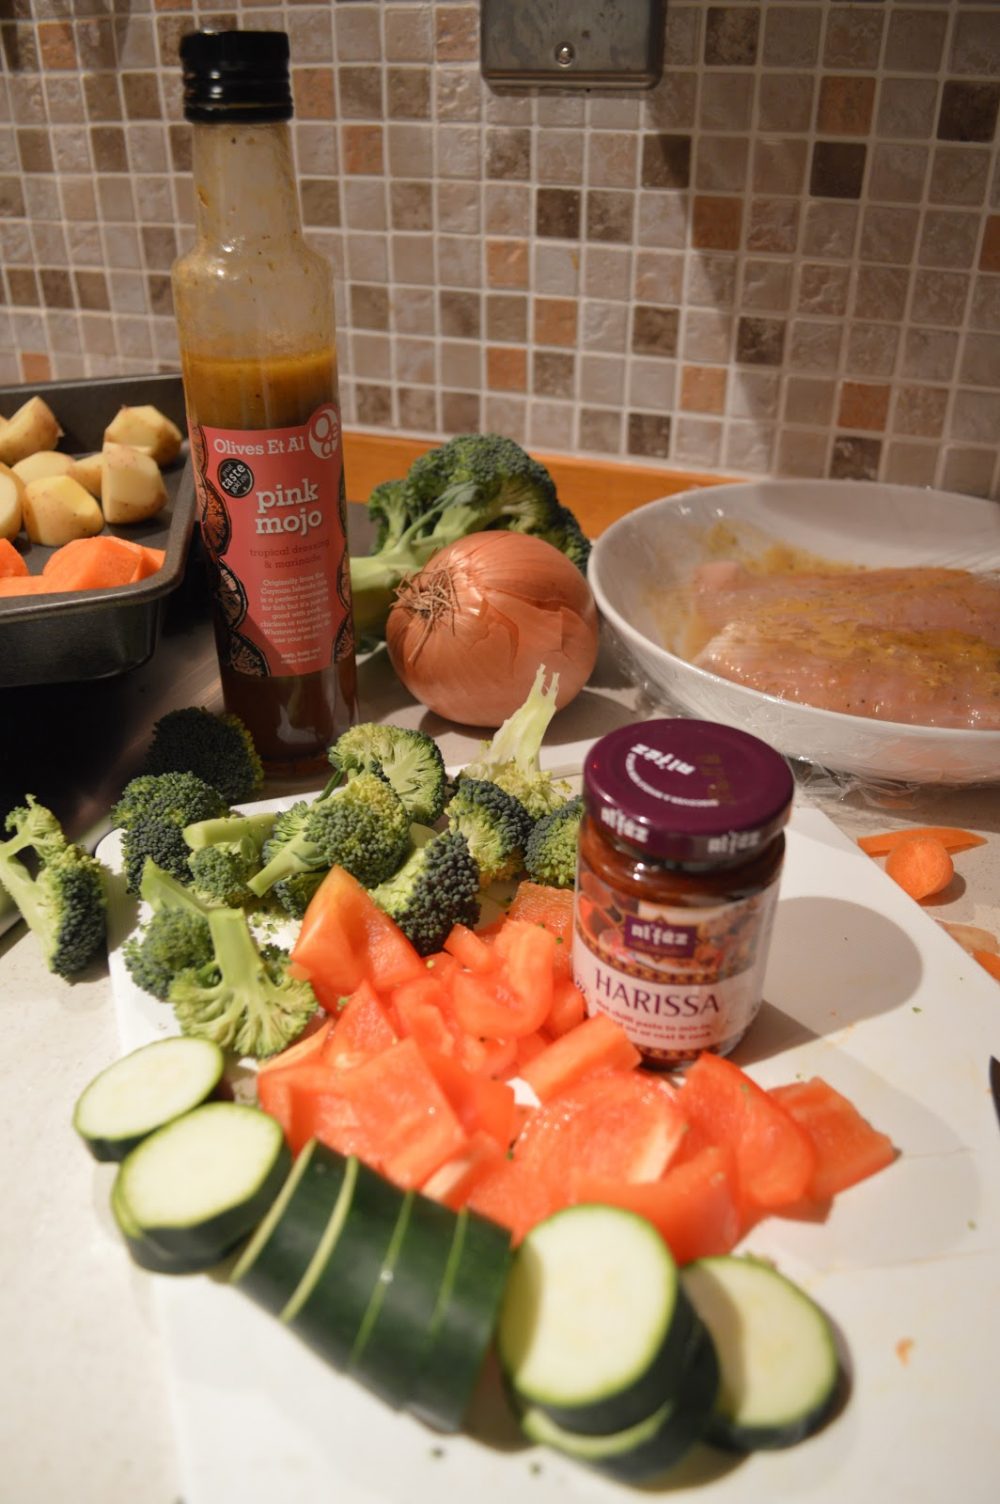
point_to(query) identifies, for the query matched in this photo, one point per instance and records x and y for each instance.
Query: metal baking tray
(93, 634)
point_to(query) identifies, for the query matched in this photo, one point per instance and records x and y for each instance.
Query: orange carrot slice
(12, 565)
(23, 584)
(93, 563)
(921, 866)
(949, 836)
(988, 961)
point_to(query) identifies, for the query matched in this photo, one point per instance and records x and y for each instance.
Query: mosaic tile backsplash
(784, 259)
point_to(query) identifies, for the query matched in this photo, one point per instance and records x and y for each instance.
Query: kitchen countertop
(83, 1403)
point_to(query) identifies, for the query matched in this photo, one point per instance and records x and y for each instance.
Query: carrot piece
(12, 564)
(949, 836)
(149, 561)
(24, 584)
(97, 563)
(988, 961)
(921, 866)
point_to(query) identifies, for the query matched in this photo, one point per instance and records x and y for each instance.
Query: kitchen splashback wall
(784, 259)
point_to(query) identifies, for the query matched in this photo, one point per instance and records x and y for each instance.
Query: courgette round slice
(142, 1249)
(595, 1325)
(777, 1353)
(198, 1186)
(144, 1090)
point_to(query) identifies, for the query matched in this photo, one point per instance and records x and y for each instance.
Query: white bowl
(640, 560)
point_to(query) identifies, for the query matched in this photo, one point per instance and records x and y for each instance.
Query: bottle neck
(244, 184)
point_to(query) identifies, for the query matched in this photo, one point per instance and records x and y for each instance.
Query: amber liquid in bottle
(254, 306)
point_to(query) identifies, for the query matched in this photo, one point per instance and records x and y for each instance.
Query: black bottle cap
(232, 76)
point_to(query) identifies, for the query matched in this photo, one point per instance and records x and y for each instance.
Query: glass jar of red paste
(681, 848)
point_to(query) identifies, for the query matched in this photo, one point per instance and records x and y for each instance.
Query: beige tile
(969, 471)
(749, 447)
(911, 464)
(697, 441)
(802, 452)
(809, 400)
(710, 279)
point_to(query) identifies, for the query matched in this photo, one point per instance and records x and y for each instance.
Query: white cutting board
(862, 988)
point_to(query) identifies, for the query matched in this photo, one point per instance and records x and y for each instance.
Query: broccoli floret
(225, 854)
(161, 890)
(435, 888)
(411, 760)
(511, 759)
(243, 998)
(218, 748)
(59, 890)
(550, 857)
(363, 827)
(495, 824)
(171, 941)
(155, 840)
(566, 534)
(294, 894)
(472, 483)
(181, 798)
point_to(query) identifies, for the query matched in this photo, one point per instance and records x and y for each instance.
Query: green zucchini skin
(142, 1249)
(389, 1358)
(647, 1449)
(199, 1241)
(279, 1252)
(329, 1304)
(770, 1396)
(143, 1091)
(463, 1322)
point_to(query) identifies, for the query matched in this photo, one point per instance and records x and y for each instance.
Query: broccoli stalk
(59, 891)
(474, 482)
(225, 854)
(511, 759)
(363, 827)
(243, 998)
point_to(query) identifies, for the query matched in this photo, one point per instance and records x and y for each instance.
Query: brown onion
(466, 635)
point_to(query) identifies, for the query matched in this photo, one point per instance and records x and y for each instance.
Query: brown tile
(506, 263)
(22, 285)
(56, 44)
(915, 42)
(508, 154)
(34, 149)
(92, 291)
(506, 368)
(320, 202)
(141, 94)
(161, 295)
(969, 471)
(460, 412)
(898, 173)
(600, 430)
(57, 289)
(853, 37)
(785, 101)
(968, 111)
(553, 373)
(767, 285)
(823, 289)
(760, 342)
(666, 161)
(107, 143)
(417, 409)
(838, 169)
(555, 321)
(948, 238)
(985, 310)
(716, 222)
(802, 453)
(809, 399)
(369, 306)
(363, 149)
(101, 97)
(976, 43)
(976, 416)
(845, 106)
(815, 346)
(159, 245)
(456, 33)
(312, 91)
(980, 360)
(854, 458)
(20, 46)
(959, 175)
(648, 435)
(612, 157)
(680, 47)
(889, 235)
(721, 165)
(779, 164)
(359, 92)
(863, 405)
(726, 101)
(731, 36)
(374, 404)
(791, 36)
(507, 318)
(179, 136)
(671, 104)
(609, 216)
(408, 35)
(989, 255)
(773, 225)
(461, 314)
(36, 366)
(95, 43)
(907, 108)
(929, 354)
(557, 213)
(703, 389)
(409, 93)
(654, 330)
(911, 464)
(871, 349)
(880, 292)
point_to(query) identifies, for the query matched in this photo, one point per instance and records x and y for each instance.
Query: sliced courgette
(463, 1321)
(777, 1353)
(397, 1331)
(330, 1301)
(595, 1325)
(198, 1186)
(642, 1451)
(277, 1256)
(142, 1091)
(142, 1249)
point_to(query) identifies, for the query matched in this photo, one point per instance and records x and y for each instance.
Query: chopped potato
(11, 497)
(31, 428)
(148, 429)
(132, 488)
(88, 471)
(42, 463)
(57, 509)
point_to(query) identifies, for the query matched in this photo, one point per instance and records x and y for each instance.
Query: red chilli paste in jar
(681, 849)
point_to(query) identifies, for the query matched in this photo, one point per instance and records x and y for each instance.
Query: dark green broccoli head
(181, 798)
(409, 759)
(566, 534)
(495, 824)
(294, 894)
(435, 888)
(219, 874)
(362, 827)
(59, 891)
(172, 941)
(551, 853)
(389, 509)
(218, 748)
(156, 840)
(504, 477)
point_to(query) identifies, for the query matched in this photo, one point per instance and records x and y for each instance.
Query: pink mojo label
(273, 520)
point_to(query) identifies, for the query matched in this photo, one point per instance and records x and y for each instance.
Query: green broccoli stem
(228, 828)
(236, 953)
(289, 861)
(520, 737)
(20, 884)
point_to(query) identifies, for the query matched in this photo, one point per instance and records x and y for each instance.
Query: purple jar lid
(687, 791)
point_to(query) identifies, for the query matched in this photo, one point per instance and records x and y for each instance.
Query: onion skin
(467, 633)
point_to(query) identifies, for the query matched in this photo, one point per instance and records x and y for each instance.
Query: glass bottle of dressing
(254, 306)
(681, 849)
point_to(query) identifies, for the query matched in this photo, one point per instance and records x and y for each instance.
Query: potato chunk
(132, 487)
(11, 497)
(88, 471)
(57, 509)
(42, 463)
(146, 428)
(31, 428)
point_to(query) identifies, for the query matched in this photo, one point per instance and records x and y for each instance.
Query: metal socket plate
(572, 43)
